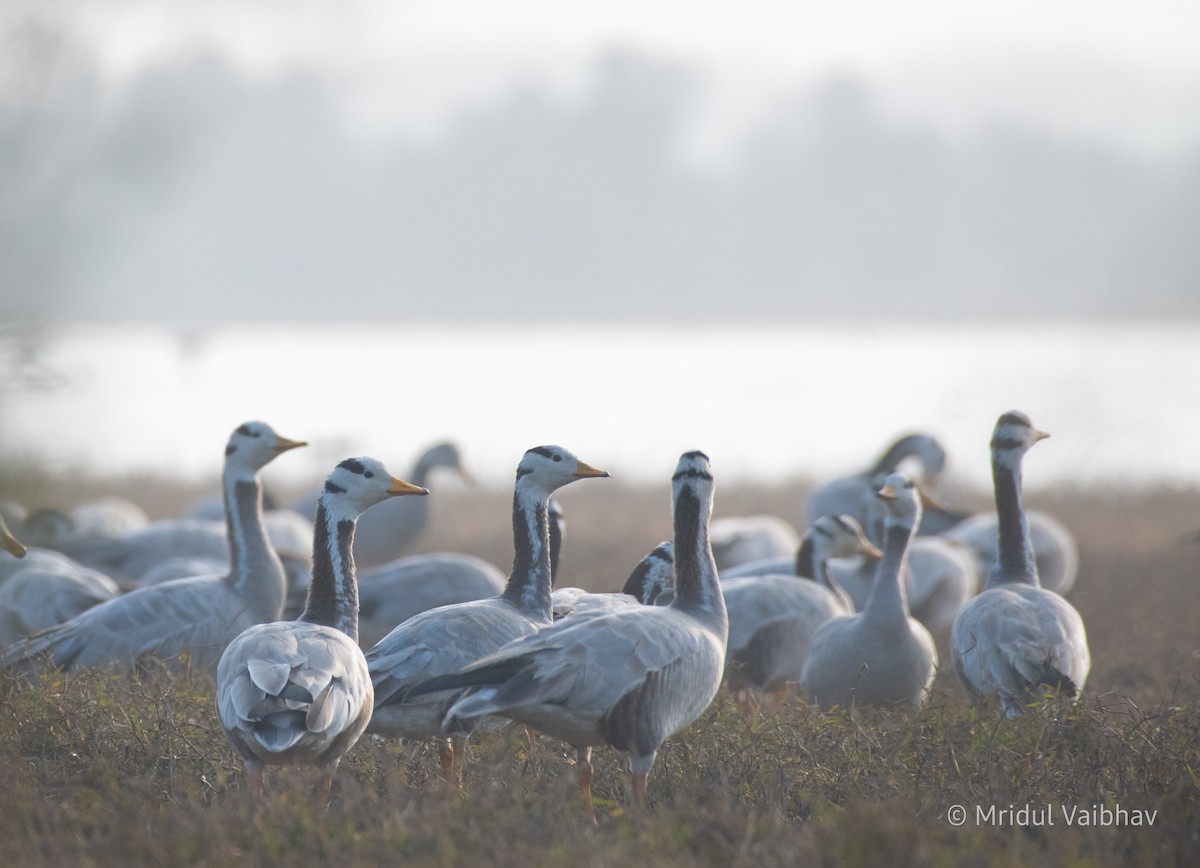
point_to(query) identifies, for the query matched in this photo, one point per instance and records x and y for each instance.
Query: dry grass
(125, 770)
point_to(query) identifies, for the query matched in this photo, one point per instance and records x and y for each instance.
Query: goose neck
(697, 587)
(1014, 554)
(888, 601)
(333, 590)
(256, 572)
(528, 585)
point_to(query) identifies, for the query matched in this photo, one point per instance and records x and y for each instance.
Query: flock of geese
(433, 647)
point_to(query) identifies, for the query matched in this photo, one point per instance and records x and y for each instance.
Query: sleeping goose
(387, 531)
(772, 618)
(629, 679)
(43, 595)
(445, 639)
(881, 655)
(199, 614)
(1017, 640)
(847, 494)
(653, 575)
(298, 692)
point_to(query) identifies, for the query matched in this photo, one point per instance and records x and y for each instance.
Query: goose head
(654, 574)
(693, 479)
(441, 455)
(901, 498)
(840, 536)
(253, 445)
(1013, 436)
(357, 484)
(544, 469)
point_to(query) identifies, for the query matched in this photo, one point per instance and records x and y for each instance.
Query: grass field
(123, 770)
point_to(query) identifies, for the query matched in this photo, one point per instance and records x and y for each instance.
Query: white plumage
(1017, 640)
(881, 655)
(629, 679)
(298, 692)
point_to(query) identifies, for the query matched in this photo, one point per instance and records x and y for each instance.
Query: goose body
(741, 539)
(447, 638)
(1016, 639)
(772, 618)
(392, 593)
(629, 679)
(40, 597)
(199, 615)
(1055, 551)
(881, 655)
(298, 692)
(129, 556)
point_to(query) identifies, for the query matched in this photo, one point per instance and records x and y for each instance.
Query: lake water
(1121, 400)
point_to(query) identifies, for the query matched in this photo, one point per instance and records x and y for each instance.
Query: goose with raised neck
(881, 655)
(447, 638)
(198, 614)
(1017, 640)
(630, 678)
(298, 692)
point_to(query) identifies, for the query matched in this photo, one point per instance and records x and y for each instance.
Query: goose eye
(370, 474)
(558, 458)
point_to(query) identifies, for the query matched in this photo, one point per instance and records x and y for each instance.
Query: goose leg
(639, 791)
(446, 754)
(583, 759)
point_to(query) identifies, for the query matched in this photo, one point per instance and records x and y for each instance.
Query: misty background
(208, 182)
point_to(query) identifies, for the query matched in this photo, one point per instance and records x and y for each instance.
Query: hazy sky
(196, 162)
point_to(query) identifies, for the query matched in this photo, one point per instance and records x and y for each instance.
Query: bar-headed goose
(42, 596)
(881, 655)
(386, 532)
(653, 575)
(298, 692)
(198, 615)
(629, 679)
(847, 494)
(448, 638)
(772, 618)
(1017, 640)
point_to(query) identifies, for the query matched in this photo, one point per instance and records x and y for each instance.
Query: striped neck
(333, 591)
(1014, 555)
(528, 585)
(888, 601)
(806, 566)
(256, 573)
(697, 587)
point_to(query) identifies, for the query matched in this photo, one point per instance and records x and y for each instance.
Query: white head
(654, 574)
(1012, 437)
(840, 536)
(253, 445)
(359, 483)
(693, 476)
(902, 501)
(543, 469)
